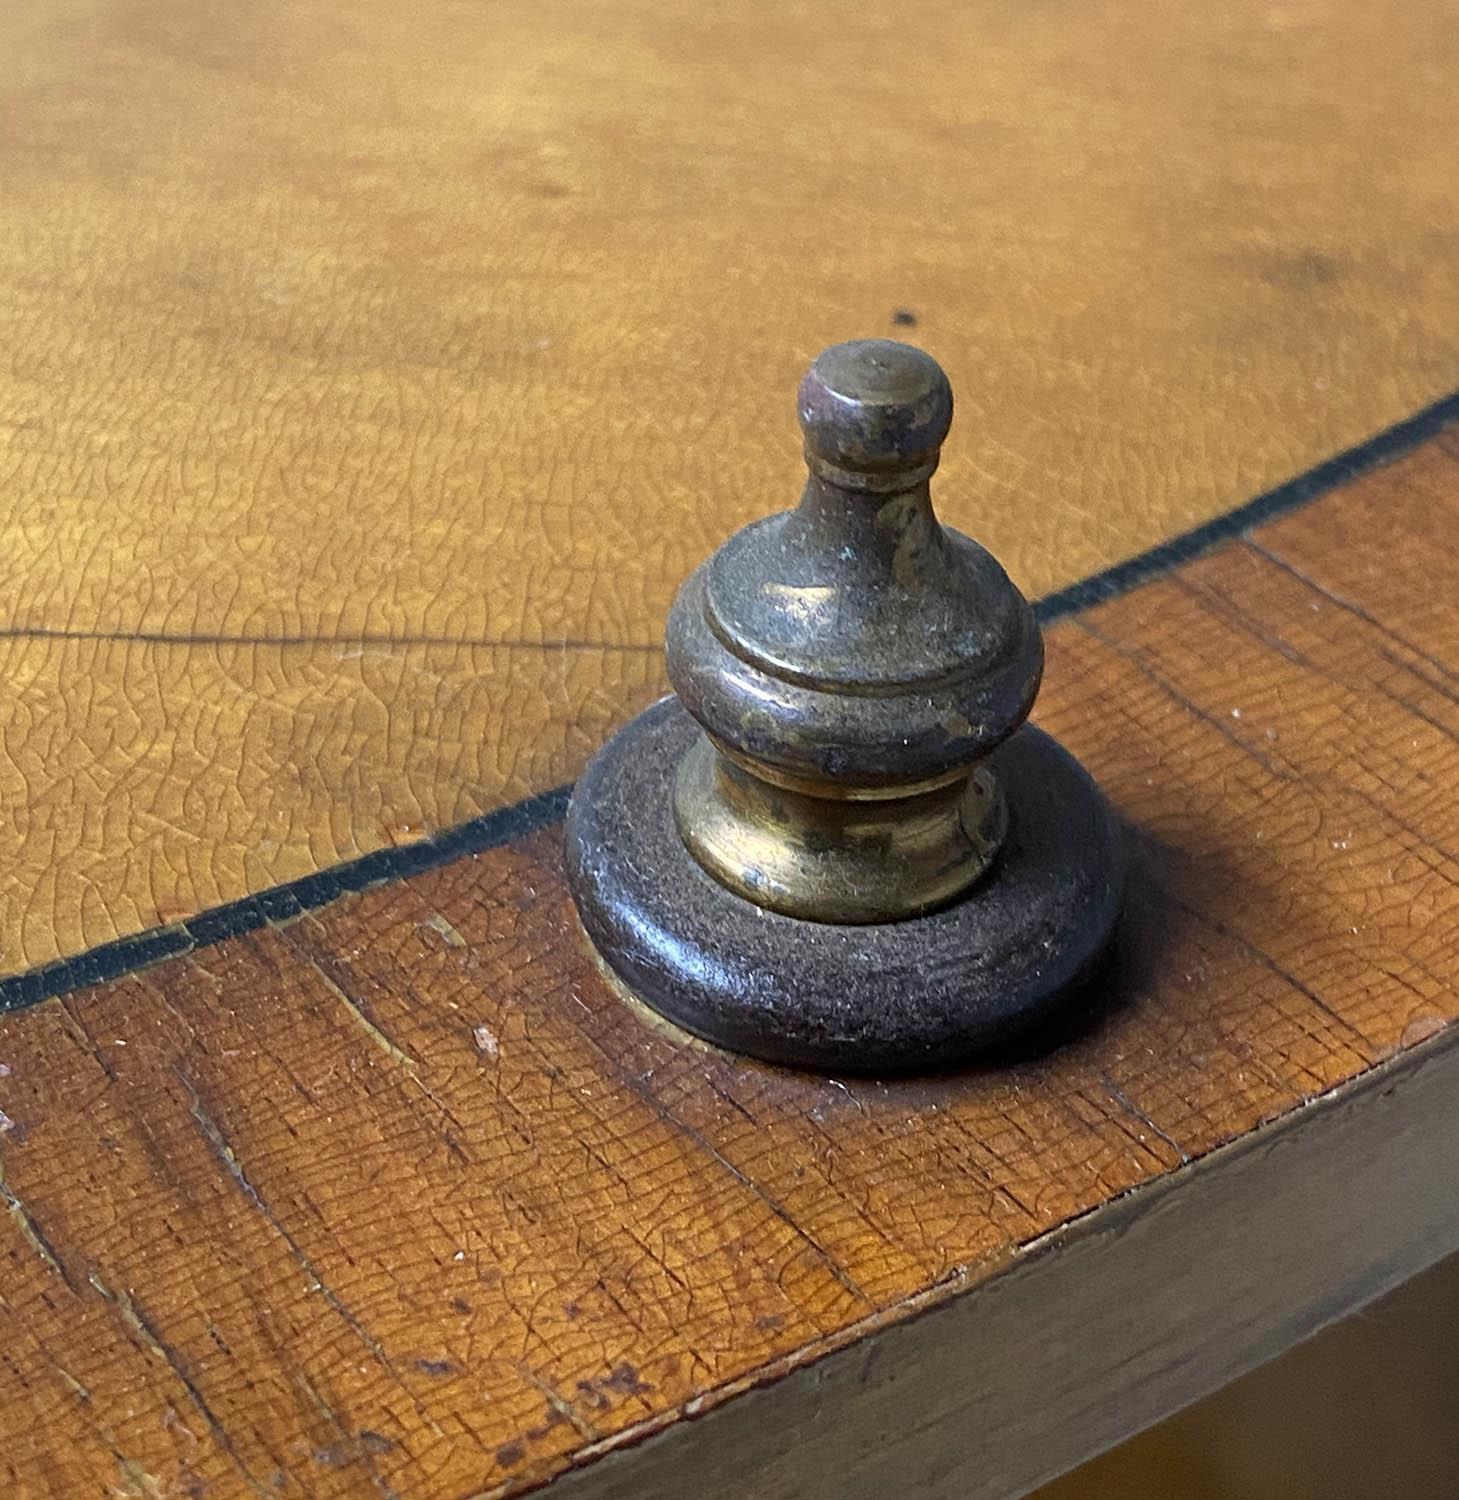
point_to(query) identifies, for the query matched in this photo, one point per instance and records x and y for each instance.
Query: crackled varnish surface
(400, 1199)
(373, 373)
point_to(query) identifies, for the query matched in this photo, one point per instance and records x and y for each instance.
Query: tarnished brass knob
(851, 663)
(836, 846)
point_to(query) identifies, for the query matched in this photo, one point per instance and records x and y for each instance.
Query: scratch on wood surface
(1130, 1107)
(957, 1279)
(212, 1132)
(349, 1447)
(559, 1404)
(409, 1064)
(146, 1334)
(138, 1483)
(438, 922)
(357, 1014)
(31, 1231)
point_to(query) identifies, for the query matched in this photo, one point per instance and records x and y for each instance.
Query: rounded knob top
(873, 408)
(853, 640)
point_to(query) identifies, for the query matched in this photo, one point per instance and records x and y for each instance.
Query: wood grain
(400, 1198)
(373, 376)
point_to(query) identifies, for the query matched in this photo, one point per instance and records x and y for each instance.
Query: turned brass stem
(839, 858)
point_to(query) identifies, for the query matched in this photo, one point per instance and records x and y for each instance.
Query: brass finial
(851, 663)
(839, 845)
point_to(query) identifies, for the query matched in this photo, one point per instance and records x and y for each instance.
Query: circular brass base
(889, 996)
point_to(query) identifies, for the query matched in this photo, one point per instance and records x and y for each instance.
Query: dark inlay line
(1372, 453)
(294, 898)
(280, 903)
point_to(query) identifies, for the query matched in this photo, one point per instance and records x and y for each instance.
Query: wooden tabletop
(373, 377)
(399, 1196)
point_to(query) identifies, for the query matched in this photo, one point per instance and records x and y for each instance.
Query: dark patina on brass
(836, 846)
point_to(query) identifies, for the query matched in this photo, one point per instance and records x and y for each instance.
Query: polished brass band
(837, 858)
